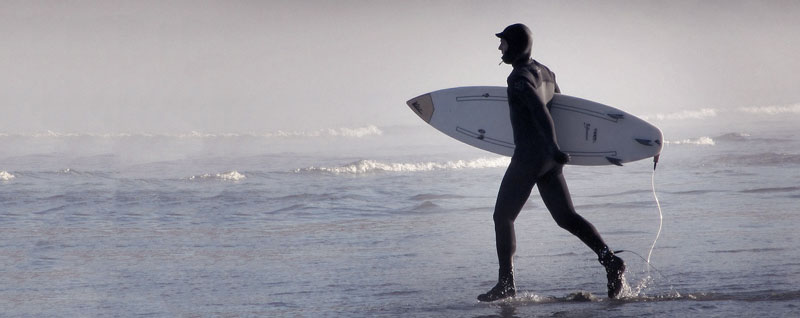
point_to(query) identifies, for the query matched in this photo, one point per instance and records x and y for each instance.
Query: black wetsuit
(537, 160)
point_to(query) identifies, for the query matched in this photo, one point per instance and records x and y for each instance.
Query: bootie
(615, 267)
(505, 288)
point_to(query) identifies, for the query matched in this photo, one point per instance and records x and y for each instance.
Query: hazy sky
(261, 66)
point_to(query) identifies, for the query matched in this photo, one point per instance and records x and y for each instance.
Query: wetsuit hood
(520, 42)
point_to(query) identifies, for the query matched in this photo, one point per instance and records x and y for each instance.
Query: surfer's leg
(514, 192)
(555, 194)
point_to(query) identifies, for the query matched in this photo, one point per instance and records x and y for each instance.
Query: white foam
(705, 113)
(5, 176)
(684, 114)
(369, 166)
(703, 141)
(227, 176)
(357, 132)
(354, 132)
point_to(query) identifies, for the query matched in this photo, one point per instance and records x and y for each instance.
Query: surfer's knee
(564, 223)
(500, 217)
(566, 218)
(509, 204)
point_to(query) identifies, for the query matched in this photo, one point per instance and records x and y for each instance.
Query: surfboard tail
(422, 106)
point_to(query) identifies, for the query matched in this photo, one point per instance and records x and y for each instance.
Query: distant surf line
(366, 166)
(709, 112)
(356, 132)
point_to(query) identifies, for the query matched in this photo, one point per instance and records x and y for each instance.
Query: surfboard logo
(422, 106)
(586, 127)
(416, 106)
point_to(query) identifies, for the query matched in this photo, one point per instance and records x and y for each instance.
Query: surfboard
(591, 133)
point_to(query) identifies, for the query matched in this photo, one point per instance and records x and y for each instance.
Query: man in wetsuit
(538, 160)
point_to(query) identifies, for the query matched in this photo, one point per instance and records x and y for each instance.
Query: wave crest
(703, 141)
(372, 166)
(226, 176)
(685, 114)
(705, 113)
(6, 176)
(355, 132)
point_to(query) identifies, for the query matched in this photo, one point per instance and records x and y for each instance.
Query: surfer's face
(503, 46)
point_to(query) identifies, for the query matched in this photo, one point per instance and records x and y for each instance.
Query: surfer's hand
(561, 157)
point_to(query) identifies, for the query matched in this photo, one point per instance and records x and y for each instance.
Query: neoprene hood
(520, 41)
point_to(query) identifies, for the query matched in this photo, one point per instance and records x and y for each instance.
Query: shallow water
(386, 221)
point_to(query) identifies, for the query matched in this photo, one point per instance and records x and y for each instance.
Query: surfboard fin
(615, 161)
(616, 116)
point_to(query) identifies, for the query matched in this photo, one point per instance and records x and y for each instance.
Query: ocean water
(391, 221)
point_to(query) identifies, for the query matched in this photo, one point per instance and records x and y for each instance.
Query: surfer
(537, 159)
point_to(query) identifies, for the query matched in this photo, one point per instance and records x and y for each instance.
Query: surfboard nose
(423, 106)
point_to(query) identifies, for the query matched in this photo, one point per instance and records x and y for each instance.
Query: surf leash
(660, 222)
(658, 204)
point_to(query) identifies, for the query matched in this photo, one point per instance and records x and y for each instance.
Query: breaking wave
(703, 141)
(684, 114)
(372, 166)
(355, 132)
(227, 176)
(705, 113)
(709, 141)
(5, 176)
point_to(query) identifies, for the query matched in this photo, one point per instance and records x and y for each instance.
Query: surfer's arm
(540, 115)
(545, 122)
(537, 106)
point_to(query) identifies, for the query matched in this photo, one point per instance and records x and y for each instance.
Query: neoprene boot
(615, 268)
(505, 288)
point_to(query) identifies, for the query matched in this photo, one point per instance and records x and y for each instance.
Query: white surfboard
(591, 133)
